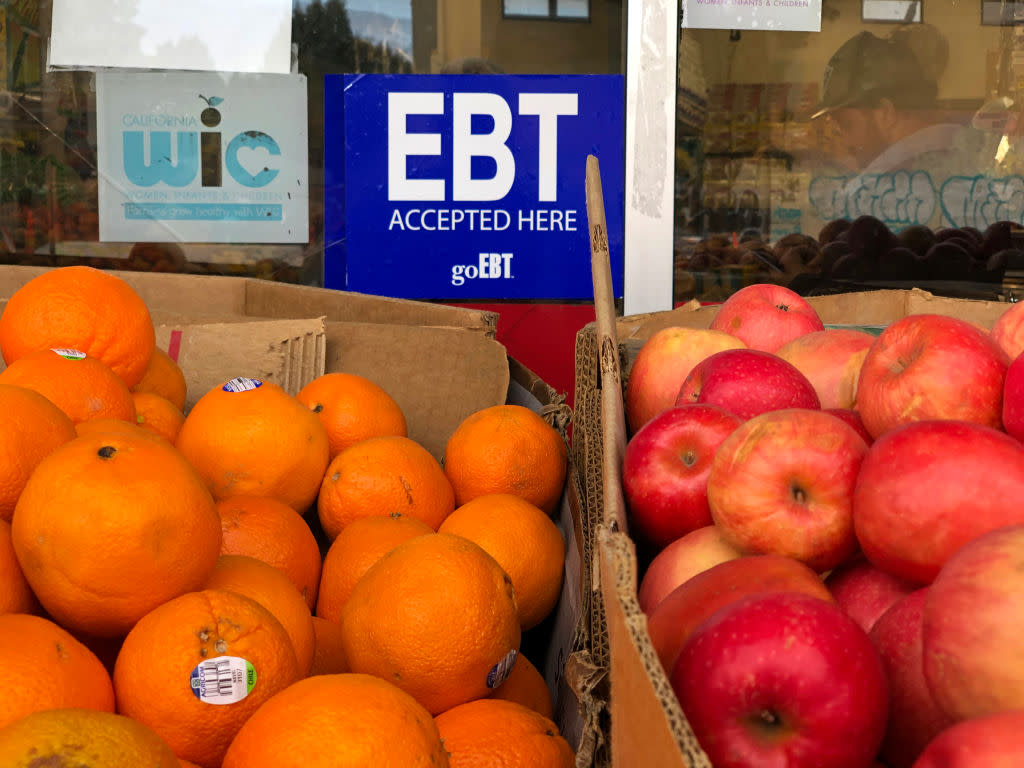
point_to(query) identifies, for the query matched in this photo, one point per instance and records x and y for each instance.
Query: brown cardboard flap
(290, 353)
(648, 726)
(438, 376)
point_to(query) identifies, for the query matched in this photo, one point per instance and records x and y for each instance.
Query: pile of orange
(255, 578)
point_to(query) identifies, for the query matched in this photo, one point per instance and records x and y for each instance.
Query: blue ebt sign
(469, 186)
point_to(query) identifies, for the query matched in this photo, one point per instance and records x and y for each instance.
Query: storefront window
(49, 169)
(899, 117)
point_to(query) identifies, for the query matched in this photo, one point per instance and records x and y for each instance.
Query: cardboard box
(440, 363)
(645, 725)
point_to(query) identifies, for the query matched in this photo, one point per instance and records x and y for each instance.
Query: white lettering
(402, 144)
(466, 145)
(548, 107)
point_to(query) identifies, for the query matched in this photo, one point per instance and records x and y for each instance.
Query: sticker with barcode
(242, 384)
(223, 680)
(69, 354)
(499, 672)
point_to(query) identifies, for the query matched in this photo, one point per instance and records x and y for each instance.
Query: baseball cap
(865, 64)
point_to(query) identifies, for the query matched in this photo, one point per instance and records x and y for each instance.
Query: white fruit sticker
(242, 384)
(69, 354)
(499, 672)
(223, 680)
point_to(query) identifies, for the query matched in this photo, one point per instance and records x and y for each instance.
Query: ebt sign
(468, 186)
(197, 157)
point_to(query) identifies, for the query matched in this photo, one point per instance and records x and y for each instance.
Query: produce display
(267, 579)
(829, 529)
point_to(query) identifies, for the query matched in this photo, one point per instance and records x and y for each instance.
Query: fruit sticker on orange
(68, 354)
(223, 680)
(499, 672)
(242, 384)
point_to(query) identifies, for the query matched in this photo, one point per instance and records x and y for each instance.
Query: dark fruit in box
(899, 264)
(997, 238)
(853, 266)
(918, 238)
(995, 267)
(870, 237)
(832, 230)
(831, 253)
(946, 261)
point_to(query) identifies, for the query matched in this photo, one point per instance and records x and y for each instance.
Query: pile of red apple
(838, 527)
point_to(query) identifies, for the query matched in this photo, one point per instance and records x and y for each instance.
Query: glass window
(908, 127)
(547, 9)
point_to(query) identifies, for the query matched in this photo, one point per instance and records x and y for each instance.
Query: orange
(108, 426)
(328, 651)
(216, 633)
(187, 764)
(251, 438)
(492, 732)
(273, 532)
(158, 415)
(83, 387)
(44, 667)
(82, 738)
(526, 686)
(274, 591)
(15, 593)
(163, 377)
(524, 541)
(506, 449)
(339, 721)
(81, 308)
(352, 408)
(437, 617)
(110, 526)
(381, 476)
(31, 429)
(361, 544)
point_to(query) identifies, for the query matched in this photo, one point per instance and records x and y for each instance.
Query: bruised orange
(170, 659)
(82, 738)
(80, 308)
(273, 532)
(352, 408)
(164, 377)
(81, 386)
(506, 449)
(110, 526)
(383, 476)
(31, 429)
(339, 721)
(361, 544)
(44, 667)
(437, 616)
(249, 437)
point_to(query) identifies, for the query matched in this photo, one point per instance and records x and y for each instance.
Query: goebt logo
(198, 152)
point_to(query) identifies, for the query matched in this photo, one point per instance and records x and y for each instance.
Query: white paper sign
(785, 15)
(217, 35)
(202, 158)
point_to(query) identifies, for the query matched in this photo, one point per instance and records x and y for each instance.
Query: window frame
(552, 14)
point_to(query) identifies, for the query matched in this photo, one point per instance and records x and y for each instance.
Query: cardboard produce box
(440, 363)
(645, 725)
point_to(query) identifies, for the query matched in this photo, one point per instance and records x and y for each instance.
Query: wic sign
(468, 186)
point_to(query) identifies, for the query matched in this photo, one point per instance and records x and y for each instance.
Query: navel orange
(158, 415)
(15, 593)
(352, 408)
(164, 377)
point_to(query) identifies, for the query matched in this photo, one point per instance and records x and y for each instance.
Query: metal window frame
(552, 14)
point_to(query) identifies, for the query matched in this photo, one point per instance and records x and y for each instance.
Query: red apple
(914, 717)
(926, 489)
(747, 382)
(995, 741)
(782, 484)
(864, 592)
(1008, 331)
(1013, 399)
(831, 361)
(662, 364)
(665, 471)
(765, 316)
(674, 619)
(852, 418)
(783, 680)
(931, 367)
(973, 654)
(680, 561)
